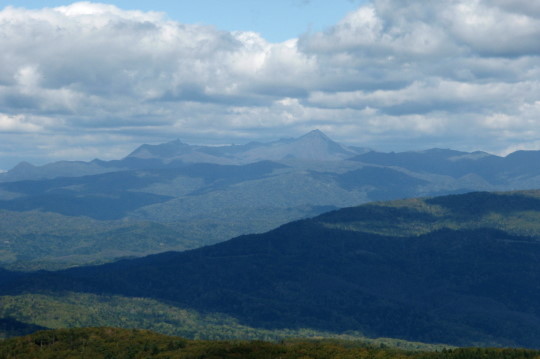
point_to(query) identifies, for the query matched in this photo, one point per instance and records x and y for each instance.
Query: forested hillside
(459, 269)
(104, 343)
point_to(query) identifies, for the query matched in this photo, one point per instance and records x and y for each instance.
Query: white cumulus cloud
(388, 73)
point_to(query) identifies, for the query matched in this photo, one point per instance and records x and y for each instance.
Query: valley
(177, 196)
(459, 270)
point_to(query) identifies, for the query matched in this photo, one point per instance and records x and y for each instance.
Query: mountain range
(192, 195)
(313, 146)
(458, 269)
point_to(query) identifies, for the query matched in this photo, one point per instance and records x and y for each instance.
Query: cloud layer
(92, 80)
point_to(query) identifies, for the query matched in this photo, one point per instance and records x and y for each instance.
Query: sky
(276, 20)
(91, 80)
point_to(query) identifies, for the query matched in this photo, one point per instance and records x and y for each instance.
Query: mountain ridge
(259, 186)
(418, 269)
(314, 145)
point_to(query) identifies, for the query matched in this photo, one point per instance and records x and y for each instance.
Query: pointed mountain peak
(22, 171)
(314, 145)
(316, 134)
(23, 165)
(319, 139)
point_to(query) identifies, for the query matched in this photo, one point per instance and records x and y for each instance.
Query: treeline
(517, 213)
(28, 313)
(106, 343)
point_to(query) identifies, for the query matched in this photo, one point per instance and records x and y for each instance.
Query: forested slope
(459, 269)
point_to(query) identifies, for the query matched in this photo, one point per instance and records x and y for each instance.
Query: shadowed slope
(442, 279)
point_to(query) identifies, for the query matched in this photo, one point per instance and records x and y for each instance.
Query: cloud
(387, 72)
(415, 28)
(16, 124)
(475, 62)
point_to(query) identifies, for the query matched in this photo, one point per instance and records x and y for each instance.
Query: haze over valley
(176, 196)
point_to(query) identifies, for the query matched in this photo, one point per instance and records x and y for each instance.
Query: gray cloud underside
(91, 79)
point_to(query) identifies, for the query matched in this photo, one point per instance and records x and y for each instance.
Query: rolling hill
(458, 269)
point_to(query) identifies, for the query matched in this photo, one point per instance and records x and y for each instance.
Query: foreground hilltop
(102, 343)
(459, 269)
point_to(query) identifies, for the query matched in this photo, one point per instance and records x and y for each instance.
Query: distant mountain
(26, 171)
(178, 151)
(516, 169)
(208, 194)
(451, 163)
(314, 146)
(460, 269)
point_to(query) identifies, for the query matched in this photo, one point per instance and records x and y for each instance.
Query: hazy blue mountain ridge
(237, 189)
(314, 145)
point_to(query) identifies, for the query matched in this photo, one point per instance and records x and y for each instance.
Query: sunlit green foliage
(105, 343)
(72, 310)
(516, 213)
(36, 240)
